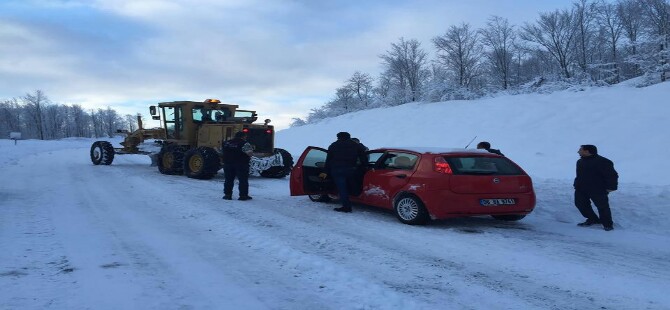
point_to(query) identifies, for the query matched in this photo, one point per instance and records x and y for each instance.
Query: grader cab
(191, 136)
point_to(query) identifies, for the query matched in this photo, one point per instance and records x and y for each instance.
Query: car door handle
(401, 176)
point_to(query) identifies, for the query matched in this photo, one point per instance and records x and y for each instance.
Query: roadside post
(15, 136)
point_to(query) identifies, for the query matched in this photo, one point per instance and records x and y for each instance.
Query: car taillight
(268, 131)
(245, 130)
(440, 165)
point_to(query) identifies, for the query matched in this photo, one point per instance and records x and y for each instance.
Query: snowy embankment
(540, 132)
(78, 236)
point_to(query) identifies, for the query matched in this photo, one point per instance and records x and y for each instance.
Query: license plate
(497, 202)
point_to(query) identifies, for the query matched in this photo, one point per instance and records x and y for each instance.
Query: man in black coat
(343, 159)
(236, 155)
(596, 178)
(487, 146)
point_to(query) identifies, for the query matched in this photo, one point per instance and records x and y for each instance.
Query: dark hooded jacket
(494, 151)
(345, 153)
(596, 174)
(233, 152)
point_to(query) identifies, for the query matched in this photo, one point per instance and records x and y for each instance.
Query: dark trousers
(343, 177)
(583, 203)
(239, 171)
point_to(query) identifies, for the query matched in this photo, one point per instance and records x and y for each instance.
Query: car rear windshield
(481, 165)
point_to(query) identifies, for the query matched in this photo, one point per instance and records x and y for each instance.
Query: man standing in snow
(596, 178)
(344, 156)
(236, 155)
(487, 146)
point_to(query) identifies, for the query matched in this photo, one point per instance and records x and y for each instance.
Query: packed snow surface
(78, 236)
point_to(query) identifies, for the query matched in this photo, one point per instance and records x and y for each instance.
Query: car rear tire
(410, 210)
(319, 198)
(509, 217)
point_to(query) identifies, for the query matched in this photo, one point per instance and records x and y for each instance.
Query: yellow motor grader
(190, 137)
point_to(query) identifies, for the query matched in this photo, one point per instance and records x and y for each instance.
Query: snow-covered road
(78, 236)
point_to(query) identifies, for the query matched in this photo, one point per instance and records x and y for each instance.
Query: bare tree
(361, 86)
(297, 122)
(583, 17)
(79, 121)
(609, 19)
(97, 123)
(10, 117)
(131, 120)
(459, 50)
(55, 120)
(406, 67)
(342, 103)
(35, 104)
(555, 32)
(110, 120)
(316, 114)
(630, 14)
(658, 17)
(500, 38)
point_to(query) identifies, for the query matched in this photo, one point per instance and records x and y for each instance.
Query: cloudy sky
(279, 57)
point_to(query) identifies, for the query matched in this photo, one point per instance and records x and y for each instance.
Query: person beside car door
(595, 179)
(236, 155)
(344, 156)
(359, 142)
(487, 146)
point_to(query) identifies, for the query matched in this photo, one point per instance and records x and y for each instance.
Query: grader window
(201, 114)
(173, 122)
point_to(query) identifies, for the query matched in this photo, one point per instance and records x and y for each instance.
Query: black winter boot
(589, 222)
(343, 209)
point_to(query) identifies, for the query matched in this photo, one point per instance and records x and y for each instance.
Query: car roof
(433, 150)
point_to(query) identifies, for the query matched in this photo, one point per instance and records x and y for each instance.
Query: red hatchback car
(426, 183)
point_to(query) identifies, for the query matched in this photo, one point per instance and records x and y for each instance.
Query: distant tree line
(594, 42)
(36, 117)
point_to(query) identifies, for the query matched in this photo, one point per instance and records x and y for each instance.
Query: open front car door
(305, 174)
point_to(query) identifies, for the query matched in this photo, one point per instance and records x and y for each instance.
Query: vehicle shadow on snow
(471, 225)
(478, 224)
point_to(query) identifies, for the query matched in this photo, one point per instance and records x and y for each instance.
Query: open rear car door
(305, 174)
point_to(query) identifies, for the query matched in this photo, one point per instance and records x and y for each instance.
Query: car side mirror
(152, 110)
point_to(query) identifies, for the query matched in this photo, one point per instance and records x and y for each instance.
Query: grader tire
(102, 153)
(201, 163)
(171, 160)
(280, 171)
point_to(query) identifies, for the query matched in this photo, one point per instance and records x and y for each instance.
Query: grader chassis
(190, 137)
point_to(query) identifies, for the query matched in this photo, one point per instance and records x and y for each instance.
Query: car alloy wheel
(407, 209)
(410, 210)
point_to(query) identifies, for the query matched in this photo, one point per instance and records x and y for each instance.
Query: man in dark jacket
(343, 159)
(596, 178)
(487, 146)
(236, 155)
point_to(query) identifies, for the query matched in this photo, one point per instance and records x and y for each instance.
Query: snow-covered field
(78, 236)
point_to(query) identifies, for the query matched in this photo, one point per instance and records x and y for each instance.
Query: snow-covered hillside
(540, 132)
(78, 236)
